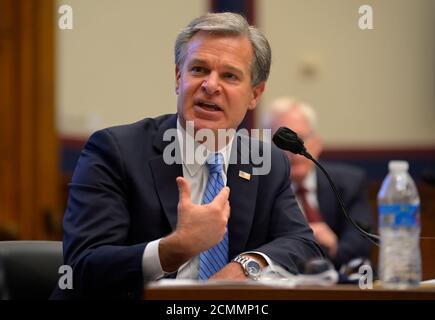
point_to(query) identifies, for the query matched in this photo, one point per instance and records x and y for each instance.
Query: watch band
(243, 261)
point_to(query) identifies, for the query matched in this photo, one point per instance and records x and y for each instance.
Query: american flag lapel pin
(244, 175)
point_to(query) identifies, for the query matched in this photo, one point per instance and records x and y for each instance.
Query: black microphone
(288, 140)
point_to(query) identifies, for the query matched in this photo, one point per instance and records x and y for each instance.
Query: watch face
(253, 268)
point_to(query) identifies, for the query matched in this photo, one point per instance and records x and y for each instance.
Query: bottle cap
(398, 166)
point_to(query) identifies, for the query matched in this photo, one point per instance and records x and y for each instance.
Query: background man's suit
(350, 183)
(123, 195)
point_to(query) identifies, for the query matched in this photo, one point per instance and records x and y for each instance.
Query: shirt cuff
(151, 267)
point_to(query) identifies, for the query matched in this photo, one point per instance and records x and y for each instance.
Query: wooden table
(258, 292)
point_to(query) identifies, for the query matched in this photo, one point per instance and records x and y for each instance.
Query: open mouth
(209, 106)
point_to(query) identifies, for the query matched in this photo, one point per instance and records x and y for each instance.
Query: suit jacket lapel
(165, 174)
(242, 196)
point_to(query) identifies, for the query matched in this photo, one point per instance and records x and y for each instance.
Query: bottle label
(399, 215)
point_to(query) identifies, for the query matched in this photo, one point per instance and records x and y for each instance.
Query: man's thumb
(183, 188)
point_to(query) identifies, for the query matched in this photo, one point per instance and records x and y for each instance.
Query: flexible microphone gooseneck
(287, 139)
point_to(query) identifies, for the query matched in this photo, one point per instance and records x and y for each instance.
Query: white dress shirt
(196, 174)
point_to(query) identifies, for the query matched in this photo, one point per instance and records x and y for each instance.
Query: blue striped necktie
(215, 258)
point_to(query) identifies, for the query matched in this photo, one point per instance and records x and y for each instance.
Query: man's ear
(257, 92)
(177, 78)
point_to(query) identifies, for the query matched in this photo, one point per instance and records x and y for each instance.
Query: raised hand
(199, 227)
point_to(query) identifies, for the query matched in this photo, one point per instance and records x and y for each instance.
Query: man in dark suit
(340, 239)
(137, 211)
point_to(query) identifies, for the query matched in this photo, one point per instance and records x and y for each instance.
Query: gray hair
(282, 105)
(228, 23)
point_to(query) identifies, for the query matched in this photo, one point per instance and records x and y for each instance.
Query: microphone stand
(371, 237)
(287, 139)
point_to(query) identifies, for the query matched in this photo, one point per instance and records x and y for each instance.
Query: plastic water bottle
(399, 227)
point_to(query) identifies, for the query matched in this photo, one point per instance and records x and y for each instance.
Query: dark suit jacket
(123, 195)
(350, 183)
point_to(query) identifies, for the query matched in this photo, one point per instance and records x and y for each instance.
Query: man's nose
(211, 84)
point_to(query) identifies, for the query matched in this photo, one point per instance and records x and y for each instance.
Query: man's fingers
(222, 196)
(183, 188)
(227, 208)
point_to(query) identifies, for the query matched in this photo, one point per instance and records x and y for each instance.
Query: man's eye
(197, 70)
(230, 76)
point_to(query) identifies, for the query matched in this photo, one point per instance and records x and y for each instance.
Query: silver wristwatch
(251, 267)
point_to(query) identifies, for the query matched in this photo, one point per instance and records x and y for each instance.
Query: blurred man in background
(341, 241)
